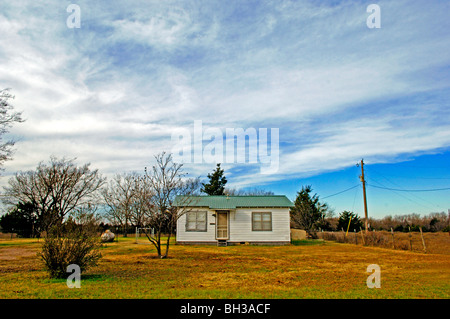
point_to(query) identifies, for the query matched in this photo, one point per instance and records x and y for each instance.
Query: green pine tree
(344, 219)
(217, 181)
(308, 212)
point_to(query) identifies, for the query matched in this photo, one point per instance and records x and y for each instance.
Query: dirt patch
(14, 253)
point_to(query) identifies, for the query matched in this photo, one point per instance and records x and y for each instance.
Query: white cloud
(113, 91)
(167, 28)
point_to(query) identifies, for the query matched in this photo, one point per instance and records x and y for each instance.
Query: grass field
(305, 270)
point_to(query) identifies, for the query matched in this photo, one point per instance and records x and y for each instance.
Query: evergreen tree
(308, 212)
(217, 181)
(21, 219)
(344, 219)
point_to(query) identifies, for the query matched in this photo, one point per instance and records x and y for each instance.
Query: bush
(73, 247)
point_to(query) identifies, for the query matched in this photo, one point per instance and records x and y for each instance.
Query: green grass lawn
(307, 269)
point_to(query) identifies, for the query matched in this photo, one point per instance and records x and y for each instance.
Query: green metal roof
(233, 202)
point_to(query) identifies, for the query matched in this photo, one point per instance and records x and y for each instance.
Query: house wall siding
(241, 225)
(197, 236)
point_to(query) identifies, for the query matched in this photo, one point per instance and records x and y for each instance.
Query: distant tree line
(432, 222)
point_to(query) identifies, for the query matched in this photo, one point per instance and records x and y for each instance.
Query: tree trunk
(158, 248)
(167, 246)
(155, 242)
(126, 228)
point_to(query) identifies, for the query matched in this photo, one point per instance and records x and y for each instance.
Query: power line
(354, 199)
(414, 194)
(420, 177)
(346, 190)
(401, 195)
(412, 190)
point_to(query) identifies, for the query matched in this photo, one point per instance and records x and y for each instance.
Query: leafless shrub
(75, 242)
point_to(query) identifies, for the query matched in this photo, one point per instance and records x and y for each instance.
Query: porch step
(222, 243)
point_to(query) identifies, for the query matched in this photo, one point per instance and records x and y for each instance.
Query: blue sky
(114, 90)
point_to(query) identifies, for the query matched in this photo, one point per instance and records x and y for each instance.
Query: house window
(196, 221)
(261, 221)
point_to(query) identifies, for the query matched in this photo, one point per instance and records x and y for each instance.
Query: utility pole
(364, 194)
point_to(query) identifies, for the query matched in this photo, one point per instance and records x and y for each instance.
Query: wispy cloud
(113, 91)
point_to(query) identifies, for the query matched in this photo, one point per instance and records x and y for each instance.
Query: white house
(228, 220)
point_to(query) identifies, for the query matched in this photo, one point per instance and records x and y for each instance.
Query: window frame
(261, 221)
(197, 222)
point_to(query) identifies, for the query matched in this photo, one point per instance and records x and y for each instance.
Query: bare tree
(55, 189)
(7, 118)
(120, 196)
(164, 182)
(87, 219)
(142, 204)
